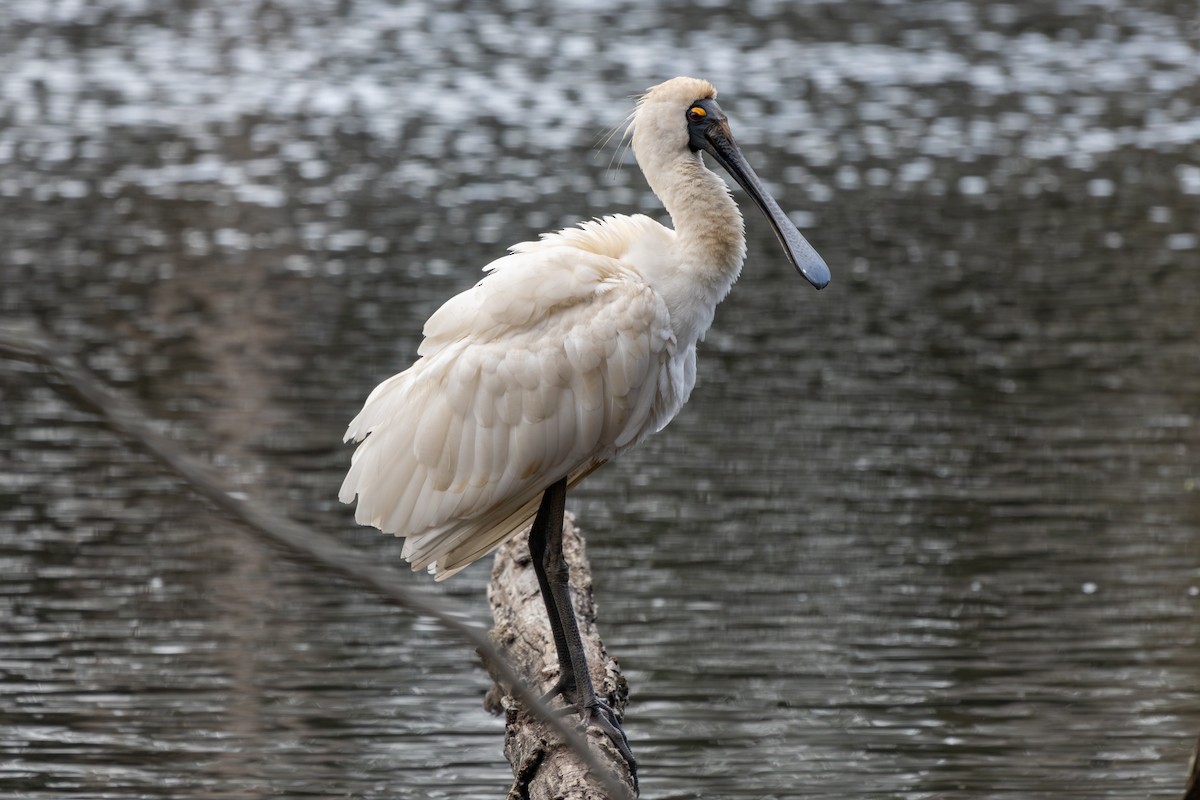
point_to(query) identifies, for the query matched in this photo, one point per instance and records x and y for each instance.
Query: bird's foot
(599, 714)
(593, 712)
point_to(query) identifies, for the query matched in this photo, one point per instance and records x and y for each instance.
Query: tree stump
(544, 766)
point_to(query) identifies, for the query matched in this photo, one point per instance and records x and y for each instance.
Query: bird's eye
(696, 113)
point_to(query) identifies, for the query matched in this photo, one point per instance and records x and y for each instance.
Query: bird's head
(681, 116)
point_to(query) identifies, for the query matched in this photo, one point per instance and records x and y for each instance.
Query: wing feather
(546, 368)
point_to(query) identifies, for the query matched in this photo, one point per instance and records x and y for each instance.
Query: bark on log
(544, 767)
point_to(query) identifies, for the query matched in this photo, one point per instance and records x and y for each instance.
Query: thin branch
(1192, 790)
(28, 342)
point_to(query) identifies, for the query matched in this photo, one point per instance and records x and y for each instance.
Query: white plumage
(569, 351)
(560, 358)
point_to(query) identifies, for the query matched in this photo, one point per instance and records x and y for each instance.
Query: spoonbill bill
(570, 350)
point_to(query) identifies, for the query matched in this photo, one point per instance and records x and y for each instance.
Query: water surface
(929, 533)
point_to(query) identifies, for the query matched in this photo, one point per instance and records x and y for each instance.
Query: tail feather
(451, 548)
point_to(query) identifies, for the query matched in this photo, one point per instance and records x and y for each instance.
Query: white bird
(571, 350)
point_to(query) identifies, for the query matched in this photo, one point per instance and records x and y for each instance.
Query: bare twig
(28, 342)
(1191, 791)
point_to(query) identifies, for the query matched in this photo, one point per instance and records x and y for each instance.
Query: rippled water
(929, 533)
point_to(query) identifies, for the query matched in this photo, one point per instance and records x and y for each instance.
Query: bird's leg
(553, 506)
(574, 678)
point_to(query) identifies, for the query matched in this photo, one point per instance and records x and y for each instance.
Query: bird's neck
(709, 246)
(710, 239)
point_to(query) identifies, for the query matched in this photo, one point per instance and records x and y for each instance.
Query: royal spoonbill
(571, 350)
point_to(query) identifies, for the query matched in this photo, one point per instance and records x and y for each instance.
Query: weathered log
(544, 767)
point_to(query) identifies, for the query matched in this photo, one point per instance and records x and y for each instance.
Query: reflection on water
(930, 533)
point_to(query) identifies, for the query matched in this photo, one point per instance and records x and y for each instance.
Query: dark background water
(929, 533)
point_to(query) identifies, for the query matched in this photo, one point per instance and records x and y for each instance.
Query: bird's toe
(598, 714)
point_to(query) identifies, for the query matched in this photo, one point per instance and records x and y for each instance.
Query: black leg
(550, 516)
(574, 678)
